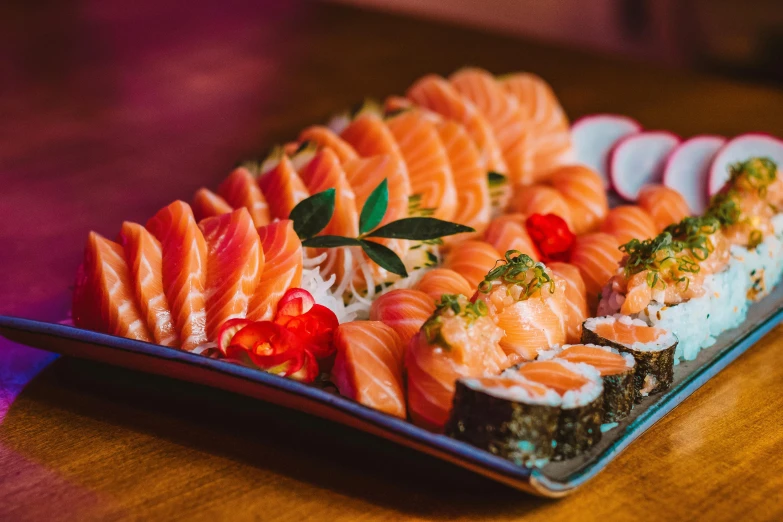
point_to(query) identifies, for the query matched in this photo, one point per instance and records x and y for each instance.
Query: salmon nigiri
(472, 260)
(145, 264)
(104, 299)
(628, 222)
(235, 262)
(458, 340)
(404, 310)
(184, 270)
(508, 232)
(439, 281)
(207, 204)
(325, 137)
(584, 193)
(597, 257)
(282, 188)
(282, 268)
(368, 366)
(502, 112)
(438, 95)
(240, 189)
(540, 199)
(576, 298)
(665, 205)
(428, 165)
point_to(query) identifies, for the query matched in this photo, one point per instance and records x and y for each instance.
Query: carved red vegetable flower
(551, 235)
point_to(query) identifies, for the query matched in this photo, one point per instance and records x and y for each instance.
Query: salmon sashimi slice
(369, 135)
(235, 261)
(240, 189)
(584, 193)
(540, 199)
(628, 333)
(438, 95)
(404, 310)
(503, 113)
(628, 222)
(548, 131)
(283, 188)
(439, 281)
(324, 137)
(470, 179)
(597, 257)
(472, 260)
(208, 204)
(427, 162)
(104, 298)
(184, 253)
(576, 299)
(508, 232)
(368, 366)
(553, 375)
(604, 360)
(143, 254)
(282, 268)
(665, 205)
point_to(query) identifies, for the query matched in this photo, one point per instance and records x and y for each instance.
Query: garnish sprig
(460, 306)
(693, 233)
(659, 254)
(518, 269)
(755, 173)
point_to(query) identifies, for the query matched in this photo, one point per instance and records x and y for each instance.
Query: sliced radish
(742, 148)
(639, 159)
(594, 136)
(688, 168)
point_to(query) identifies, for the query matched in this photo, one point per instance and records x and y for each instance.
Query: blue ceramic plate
(553, 480)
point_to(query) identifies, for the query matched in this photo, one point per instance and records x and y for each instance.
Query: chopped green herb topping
(518, 269)
(756, 173)
(693, 233)
(725, 208)
(660, 254)
(460, 307)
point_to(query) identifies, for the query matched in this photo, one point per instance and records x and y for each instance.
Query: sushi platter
(459, 270)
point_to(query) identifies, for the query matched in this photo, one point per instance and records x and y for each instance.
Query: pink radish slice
(688, 168)
(639, 159)
(594, 136)
(742, 148)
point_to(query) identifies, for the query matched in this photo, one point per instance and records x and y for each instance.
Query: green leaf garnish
(419, 229)
(374, 208)
(384, 257)
(330, 242)
(311, 215)
(496, 179)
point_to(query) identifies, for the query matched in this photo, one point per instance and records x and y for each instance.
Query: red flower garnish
(268, 346)
(551, 235)
(315, 328)
(294, 302)
(228, 330)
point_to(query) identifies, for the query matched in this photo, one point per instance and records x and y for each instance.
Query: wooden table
(112, 112)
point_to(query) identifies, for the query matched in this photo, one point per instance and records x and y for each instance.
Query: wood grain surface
(111, 111)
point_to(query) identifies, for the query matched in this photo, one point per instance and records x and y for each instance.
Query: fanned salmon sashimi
(208, 204)
(404, 310)
(548, 132)
(576, 299)
(143, 254)
(368, 366)
(324, 137)
(235, 262)
(628, 222)
(369, 135)
(508, 232)
(104, 299)
(554, 375)
(283, 259)
(282, 188)
(439, 281)
(184, 253)
(665, 205)
(240, 189)
(438, 95)
(602, 359)
(470, 179)
(472, 260)
(584, 193)
(427, 162)
(501, 110)
(597, 257)
(541, 199)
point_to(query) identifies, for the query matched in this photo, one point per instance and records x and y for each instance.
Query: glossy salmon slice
(541, 199)
(439, 281)
(369, 135)
(553, 375)
(628, 222)
(324, 137)
(503, 113)
(184, 270)
(104, 299)
(403, 310)
(508, 232)
(597, 257)
(472, 260)
(628, 333)
(208, 204)
(438, 95)
(143, 254)
(605, 361)
(576, 299)
(283, 259)
(429, 170)
(235, 262)
(282, 188)
(665, 205)
(240, 189)
(584, 193)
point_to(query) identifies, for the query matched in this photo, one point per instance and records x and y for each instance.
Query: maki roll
(581, 410)
(508, 416)
(652, 348)
(616, 369)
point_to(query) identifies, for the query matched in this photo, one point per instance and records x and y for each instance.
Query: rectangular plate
(553, 480)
